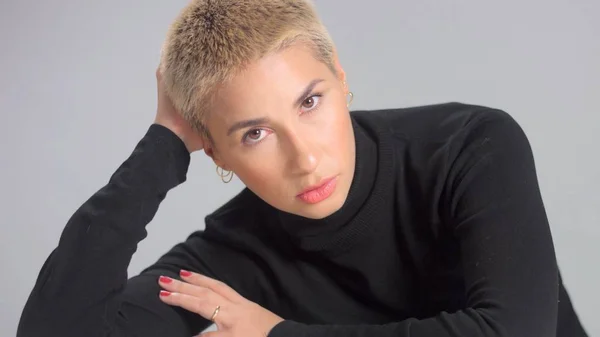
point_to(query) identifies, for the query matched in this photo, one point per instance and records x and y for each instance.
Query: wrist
(175, 131)
(170, 148)
(275, 330)
(170, 137)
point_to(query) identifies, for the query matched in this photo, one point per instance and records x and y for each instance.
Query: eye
(254, 136)
(311, 103)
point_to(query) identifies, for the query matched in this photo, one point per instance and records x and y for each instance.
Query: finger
(182, 287)
(212, 284)
(203, 307)
(211, 334)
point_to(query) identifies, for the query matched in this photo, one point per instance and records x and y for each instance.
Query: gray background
(77, 91)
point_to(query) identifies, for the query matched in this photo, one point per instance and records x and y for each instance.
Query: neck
(301, 229)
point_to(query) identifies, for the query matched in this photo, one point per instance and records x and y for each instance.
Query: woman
(425, 221)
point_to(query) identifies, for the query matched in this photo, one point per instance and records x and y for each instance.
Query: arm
(82, 289)
(495, 210)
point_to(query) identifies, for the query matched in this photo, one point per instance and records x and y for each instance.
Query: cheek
(337, 138)
(263, 179)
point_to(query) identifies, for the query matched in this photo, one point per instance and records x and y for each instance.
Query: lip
(322, 183)
(319, 192)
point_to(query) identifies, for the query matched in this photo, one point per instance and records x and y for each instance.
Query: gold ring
(217, 309)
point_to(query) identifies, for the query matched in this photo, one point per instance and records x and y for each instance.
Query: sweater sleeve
(495, 210)
(83, 288)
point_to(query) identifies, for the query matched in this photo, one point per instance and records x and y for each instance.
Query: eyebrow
(246, 123)
(258, 121)
(307, 91)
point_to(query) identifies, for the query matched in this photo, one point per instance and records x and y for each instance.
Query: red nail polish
(165, 279)
(185, 273)
(164, 293)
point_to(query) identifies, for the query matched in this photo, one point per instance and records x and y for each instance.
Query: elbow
(51, 319)
(35, 322)
(525, 321)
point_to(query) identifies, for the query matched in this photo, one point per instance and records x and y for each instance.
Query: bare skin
(301, 135)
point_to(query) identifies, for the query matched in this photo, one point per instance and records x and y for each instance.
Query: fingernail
(164, 279)
(164, 293)
(185, 273)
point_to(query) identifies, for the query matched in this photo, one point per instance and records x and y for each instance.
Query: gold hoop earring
(351, 99)
(225, 177)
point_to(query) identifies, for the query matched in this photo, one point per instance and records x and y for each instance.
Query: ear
(339, 70)
(211, 151)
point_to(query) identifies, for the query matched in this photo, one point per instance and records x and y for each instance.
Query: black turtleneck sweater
(444, 233)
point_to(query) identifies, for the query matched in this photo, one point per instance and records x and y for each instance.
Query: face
(283, 127)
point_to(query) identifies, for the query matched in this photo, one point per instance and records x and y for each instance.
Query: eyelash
(312, 110)
(319, 96)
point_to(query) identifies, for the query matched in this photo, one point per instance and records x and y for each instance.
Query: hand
(167, 116)
(237, 316)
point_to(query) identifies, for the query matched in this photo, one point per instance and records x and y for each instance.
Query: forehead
(272, 80)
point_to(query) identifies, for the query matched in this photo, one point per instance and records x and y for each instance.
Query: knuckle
(197, 307)
(219, 285)
(174, 298)
(176, 286)
(224, 317)
(203, 291)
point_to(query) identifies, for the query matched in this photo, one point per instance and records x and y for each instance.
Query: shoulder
(240, 222)
(239, 211)
(437, 123)
(431, 143)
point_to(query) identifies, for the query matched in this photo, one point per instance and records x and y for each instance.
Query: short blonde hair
(212, 40)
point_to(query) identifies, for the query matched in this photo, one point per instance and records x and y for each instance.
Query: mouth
(319, 192)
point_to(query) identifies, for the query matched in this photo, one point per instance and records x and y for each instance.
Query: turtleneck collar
(338, 229)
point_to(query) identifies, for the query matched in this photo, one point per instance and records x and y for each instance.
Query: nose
(304, 156)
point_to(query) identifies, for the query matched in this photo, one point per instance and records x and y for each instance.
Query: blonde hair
(213, 40)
